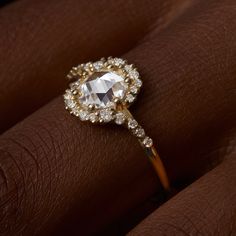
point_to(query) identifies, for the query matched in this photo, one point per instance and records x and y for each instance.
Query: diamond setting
(120, 118)
(83, 115)
(106, 115)
(147, 142)
(99, 87)
(132, 124)
(93, 117)
(98, 65)
(139, 132)
(129, 98)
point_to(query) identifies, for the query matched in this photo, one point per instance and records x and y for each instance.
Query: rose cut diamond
(101, 88)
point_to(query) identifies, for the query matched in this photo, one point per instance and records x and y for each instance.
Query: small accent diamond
(132, 124)
(70, 103)
(134, 89)
(138, 82)
(118, 61)
(120, 118)
(147, 142)
(74, 85)
(106, 115)
(134, 74)
(93, 117)
(67, 95)
(139, 132)
(128, 68)
(87, 66)
(98, 65)
(83, 115)
(129, 98)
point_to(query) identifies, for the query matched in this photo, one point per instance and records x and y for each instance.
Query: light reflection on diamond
(100, 89)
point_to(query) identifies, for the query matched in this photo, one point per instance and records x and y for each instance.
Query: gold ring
(101, 92)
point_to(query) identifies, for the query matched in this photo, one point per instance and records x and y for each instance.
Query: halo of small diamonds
(120, 81)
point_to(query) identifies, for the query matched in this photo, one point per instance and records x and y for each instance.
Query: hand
(61, 176)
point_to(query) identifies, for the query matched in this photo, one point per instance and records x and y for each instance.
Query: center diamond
(100, 89)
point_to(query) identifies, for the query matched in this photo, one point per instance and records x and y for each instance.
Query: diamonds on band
(120, 118)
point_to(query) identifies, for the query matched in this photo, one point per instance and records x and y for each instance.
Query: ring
(101, 92)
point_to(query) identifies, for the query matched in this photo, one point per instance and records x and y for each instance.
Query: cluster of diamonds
(98, 88)
(75, 100)
(139, 132)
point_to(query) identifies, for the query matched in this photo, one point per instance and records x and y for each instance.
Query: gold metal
(153, 156)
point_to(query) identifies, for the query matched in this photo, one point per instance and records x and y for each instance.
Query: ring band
(154, 158)
(101, 92)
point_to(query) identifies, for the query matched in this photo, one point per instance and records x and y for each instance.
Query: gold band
(152, 154)
(159, 168)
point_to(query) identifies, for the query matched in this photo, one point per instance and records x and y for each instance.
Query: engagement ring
(101, 92)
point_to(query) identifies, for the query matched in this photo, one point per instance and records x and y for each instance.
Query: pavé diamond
(120, 118)
(130, 98)
(138, 83)
(70, 103)
(116, 61)
(132, 124)
(134, 74)
(139, 132)
(83, 115)
(147, 142)
(134, 89)
(93, 117)
(106, 115)
(87, 66)
(98, 65)
(100, 89)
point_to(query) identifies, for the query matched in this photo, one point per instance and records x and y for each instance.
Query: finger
(41, 40)
(188, 213)
(67, 170)
(189, 77)
(207, 207)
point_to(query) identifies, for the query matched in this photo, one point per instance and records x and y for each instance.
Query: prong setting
(82, 73)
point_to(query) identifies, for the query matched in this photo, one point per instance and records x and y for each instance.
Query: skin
(75, 35)
(207, 207)
(61, 176)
